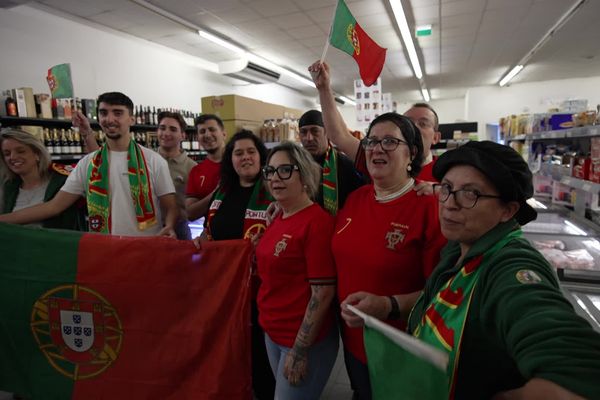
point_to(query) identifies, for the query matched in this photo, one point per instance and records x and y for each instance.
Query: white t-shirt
(123, 220)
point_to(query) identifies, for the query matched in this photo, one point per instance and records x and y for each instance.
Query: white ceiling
(474, 42)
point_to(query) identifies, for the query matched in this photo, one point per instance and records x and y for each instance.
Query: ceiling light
(406, 36)
(513, 72)
(222, 43)
(425, 94)
(551, 32)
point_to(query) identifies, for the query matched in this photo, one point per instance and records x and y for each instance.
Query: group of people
(431, 246)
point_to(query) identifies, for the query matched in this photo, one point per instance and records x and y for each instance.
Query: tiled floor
(338, 386)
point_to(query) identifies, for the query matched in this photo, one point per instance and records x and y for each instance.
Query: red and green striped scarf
(444, 320)
(330, 181)
(255, 221)
(98, 195)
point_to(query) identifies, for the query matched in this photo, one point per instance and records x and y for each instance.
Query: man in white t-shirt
(123, 215)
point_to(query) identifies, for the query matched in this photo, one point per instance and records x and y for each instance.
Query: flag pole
(329, 36)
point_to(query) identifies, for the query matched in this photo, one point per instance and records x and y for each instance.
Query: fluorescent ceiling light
(513, 72)
(425, 94)
(406, 36)
(222, 43)
(347, 100)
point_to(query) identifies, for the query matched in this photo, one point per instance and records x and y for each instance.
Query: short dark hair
(206, 117)
(230, 178)
(411, 133)
(115, 99)
(175, 115)
(427, 106)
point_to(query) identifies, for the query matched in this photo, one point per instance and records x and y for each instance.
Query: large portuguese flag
(347, 35)
(91, 316)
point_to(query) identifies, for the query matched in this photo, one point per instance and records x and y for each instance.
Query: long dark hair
(411, 133)
(230, 178)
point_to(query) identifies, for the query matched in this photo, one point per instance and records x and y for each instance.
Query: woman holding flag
(493, 303)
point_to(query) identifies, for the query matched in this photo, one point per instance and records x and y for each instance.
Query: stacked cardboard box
(238, 112)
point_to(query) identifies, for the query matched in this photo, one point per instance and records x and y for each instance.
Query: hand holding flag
(400, 365)
(347, 35)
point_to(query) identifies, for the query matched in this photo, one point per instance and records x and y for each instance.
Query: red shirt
(293, 252)
(203, 179)
(384, 249)
(360, 163)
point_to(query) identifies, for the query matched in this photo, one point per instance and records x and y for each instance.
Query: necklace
(395, 195)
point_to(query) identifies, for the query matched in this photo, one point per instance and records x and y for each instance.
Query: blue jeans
(321, 358)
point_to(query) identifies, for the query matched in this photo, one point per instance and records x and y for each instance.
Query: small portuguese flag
(347, 35)
(60, 81)
(91, 316)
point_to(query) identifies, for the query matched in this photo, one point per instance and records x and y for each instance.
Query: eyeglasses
(387, 143)
(284, 171)
(464, 198)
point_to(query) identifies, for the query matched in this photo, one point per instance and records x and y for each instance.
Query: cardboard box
(235, 125)
(234, 107)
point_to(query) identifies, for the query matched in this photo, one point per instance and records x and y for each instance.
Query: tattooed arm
(295, 367)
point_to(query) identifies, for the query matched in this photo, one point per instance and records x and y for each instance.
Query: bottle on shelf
(67, 108)
(48, 141)
(78, 144)
(11, 106)
(64, 143)
(138, 115)
(154, 116)
(56, 141)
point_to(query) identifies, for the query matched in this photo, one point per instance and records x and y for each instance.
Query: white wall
(33, 40)
(487, 104)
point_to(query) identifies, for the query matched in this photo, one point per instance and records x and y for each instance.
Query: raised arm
(85, 130)
(335, 127)
(43, 211)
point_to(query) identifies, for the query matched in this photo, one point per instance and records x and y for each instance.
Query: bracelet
(395, 311)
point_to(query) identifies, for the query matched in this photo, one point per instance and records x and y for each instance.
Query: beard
(212, 151)
(113, 135)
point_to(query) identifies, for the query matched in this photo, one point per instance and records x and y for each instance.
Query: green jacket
(516, 331)
(72, 218)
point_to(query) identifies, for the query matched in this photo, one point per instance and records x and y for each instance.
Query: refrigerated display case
(585, 300)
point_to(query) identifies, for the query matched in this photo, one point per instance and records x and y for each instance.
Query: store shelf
(514, 138)
(563, 174)
(66, 124)
(583, 131)
(66, 157)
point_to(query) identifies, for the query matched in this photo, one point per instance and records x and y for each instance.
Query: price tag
(566, 181)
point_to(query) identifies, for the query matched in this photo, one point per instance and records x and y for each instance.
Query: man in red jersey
(204, 177)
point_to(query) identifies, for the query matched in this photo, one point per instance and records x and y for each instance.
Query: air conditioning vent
(248, 71)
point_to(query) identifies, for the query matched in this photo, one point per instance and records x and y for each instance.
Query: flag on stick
(401, 366)
(90, 316)
(347, 35)
(60, 81)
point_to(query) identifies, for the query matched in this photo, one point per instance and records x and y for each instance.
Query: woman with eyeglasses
(493, 303)
(30, 178)
(238, 211)
(298, 279)
(387, 239)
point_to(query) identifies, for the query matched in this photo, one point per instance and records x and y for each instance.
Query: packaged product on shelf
(42, 105)
(562, 194)
(555, 257)
(560, 121)
(581, 167)
(579, 259)
(549, 244)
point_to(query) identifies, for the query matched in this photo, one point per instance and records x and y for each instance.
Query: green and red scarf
(444, 320)
(255, 221)
(330, 181)
(98, 195)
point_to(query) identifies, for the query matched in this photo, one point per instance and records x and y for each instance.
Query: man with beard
(123, 199)
(204, 177)
(339, 177)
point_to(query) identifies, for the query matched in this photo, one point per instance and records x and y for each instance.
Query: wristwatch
(395, 311)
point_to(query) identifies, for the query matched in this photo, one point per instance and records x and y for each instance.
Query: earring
(409, 168)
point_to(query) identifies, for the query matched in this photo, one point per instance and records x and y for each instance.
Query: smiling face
(388, 167)
(286, 191)
(169, 133)
(467, 225)
(19, 157)
(115, 120)
(211, 136)
(246, 161)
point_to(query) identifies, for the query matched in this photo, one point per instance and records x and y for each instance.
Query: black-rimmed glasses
(284, 171)
(387, 143)
(464, 198)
